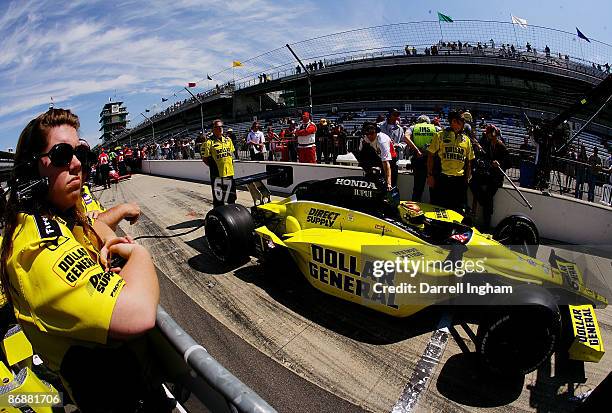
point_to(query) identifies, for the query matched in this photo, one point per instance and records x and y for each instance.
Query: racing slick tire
(229, 232)
(518, 337)
(518, 232)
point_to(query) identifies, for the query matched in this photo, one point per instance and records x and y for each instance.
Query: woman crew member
(83, 319)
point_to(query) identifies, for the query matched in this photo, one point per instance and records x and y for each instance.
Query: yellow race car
(352, 239)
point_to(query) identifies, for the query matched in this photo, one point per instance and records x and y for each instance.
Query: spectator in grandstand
(322, 137)
(89, 323)
(581, 171)
(217, 154)
(376, 150)
(593, 171)
(256, 142)
(288, 136)
(392, 128)
(455, 151)
(305, 133)
(419, 138)
(491, 156)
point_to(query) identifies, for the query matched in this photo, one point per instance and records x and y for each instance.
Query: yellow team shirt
(89, 202)
(62, 297)
(453, 151)
(221, 152)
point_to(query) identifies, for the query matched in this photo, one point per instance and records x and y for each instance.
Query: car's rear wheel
(229, 232)
(518, 338)
(519, 233)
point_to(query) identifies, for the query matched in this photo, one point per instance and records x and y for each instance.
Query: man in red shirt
(307, 149)
(129, 157)
(104, 166)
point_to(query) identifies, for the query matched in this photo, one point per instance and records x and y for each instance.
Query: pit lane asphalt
(328, 355)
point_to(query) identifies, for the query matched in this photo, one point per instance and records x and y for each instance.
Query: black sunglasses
(61, 154)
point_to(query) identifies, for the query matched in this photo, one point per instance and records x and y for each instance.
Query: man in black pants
(487, 178)
(456, 154)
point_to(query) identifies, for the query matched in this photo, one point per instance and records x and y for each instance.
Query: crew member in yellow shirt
(218, 154)
(84, 313)
(454, 149)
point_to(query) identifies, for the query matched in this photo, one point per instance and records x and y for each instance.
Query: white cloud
(141, 50)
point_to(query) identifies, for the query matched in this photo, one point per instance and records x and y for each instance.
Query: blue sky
(83, 52)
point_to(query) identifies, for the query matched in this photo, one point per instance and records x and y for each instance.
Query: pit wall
(557, 217)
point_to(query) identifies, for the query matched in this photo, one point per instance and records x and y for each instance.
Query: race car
(346, 235)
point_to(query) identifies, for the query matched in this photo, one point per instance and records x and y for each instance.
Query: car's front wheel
(229, 232)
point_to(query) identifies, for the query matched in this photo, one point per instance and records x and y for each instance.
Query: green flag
(444, 18)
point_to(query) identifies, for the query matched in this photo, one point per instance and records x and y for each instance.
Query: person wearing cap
(454, 149)
(487, 177)
(419, 138)
(256, 142)
(217, 154)
(392, 128)
(382, 145)
(306, 132)
(323, 137)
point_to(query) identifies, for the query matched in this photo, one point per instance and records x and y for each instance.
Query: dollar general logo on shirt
(73, 264)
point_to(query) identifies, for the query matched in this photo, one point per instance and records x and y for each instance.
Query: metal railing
(217, 388)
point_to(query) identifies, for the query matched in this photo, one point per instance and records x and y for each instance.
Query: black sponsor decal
(101, 280)
(322, 217)
(408, 253)
(340, 270)
(586, 332)
(73, 264)
(47, 227)
(117, 287)
(441, 213)
(54, 244)
(569, 272)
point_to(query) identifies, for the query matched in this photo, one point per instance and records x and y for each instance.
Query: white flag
(519, 21)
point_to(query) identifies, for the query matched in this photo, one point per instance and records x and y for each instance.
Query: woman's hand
(93, 215)
(106, 249)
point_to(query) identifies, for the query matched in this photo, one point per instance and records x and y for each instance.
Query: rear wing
(276, 175)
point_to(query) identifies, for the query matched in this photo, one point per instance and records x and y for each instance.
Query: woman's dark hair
(32, 141)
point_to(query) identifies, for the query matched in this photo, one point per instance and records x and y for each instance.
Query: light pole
(307, 75)
(152, 125)
(201, 111)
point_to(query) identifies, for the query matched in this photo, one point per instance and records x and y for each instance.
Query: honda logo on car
(355, 183)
